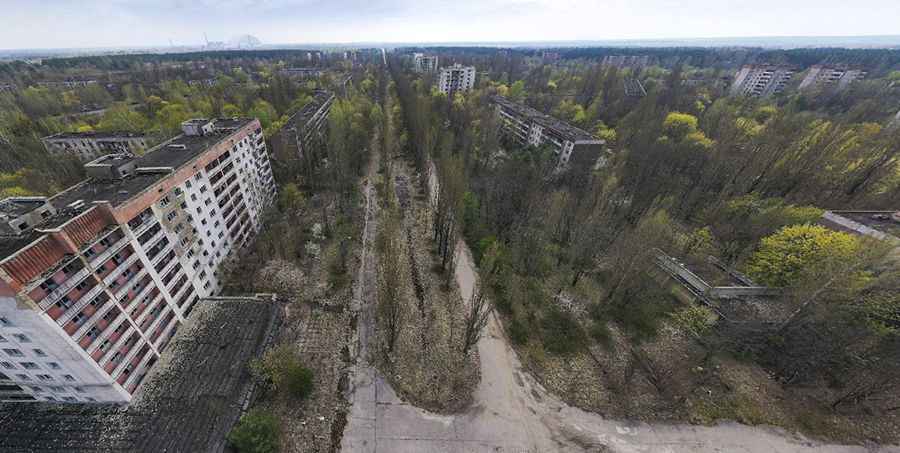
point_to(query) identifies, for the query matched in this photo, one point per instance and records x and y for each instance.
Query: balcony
(158, 247)
(152, 317)
(64, 288)
(128, 357)
(138, 375)
(162, 326)
(115, 279)
(109, 340)
(150, 234)
(147, 286)
(143, 305)
(161, 264)
(94, 321)
(137, 283)
(109, 251)
(167, 335)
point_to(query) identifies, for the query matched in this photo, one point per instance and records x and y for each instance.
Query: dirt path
(513, 413)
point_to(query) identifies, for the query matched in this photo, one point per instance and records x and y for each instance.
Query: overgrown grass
(560, 333)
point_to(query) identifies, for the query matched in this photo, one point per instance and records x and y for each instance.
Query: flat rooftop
(565, 129)
(17, 206)
(190, 400)
(886, 222)
(172, 154)
(95, 135)
(300, 119)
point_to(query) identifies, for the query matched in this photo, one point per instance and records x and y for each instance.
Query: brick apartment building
(91, 145)
(95, 280)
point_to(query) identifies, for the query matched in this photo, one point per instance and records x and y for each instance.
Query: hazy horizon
(96, 24)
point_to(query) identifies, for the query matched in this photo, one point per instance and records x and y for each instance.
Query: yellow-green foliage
(695, 320)
(782, 257)
(684, 128)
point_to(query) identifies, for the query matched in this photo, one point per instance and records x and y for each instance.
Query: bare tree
(476, 318)
(390, 305)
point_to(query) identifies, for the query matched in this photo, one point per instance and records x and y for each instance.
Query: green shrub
(518, 332)
(298, 380)
(256, 432)
(561, 333)
(601, 334)
(281, 369)
(641, 318)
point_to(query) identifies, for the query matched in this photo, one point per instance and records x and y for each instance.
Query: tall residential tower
(95, 280)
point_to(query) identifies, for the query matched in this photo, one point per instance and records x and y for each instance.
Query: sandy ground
(511, 411)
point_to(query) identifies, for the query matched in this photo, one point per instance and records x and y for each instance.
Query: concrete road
(513, 413)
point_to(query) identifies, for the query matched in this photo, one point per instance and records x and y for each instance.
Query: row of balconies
(65, 310)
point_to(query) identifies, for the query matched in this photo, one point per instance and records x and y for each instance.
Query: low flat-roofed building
(883, 225)
(91, 145)
(192, 398)
(529, 127)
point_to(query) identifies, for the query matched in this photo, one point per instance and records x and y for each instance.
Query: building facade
(91, 145)
(838, 77)
(95, 280)
(304, 132)
(529, 127)
(425, 63)
(456, 78)
(761, 80)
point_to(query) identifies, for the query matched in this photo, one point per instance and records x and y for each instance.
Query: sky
(33, 24)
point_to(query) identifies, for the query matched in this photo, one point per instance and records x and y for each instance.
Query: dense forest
(151, 94)
(570, 258)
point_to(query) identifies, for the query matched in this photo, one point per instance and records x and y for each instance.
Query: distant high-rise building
(91, 145)
(425, 63)
(761, 80)
(95, 280)
(837, 76)
(457, 78)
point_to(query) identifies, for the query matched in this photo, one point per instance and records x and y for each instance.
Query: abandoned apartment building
(305, 130)
(95, 280)
(529, 127)
(90, 145)
(761, 80)
(425, 63)
(839, 77)
(456, 79)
